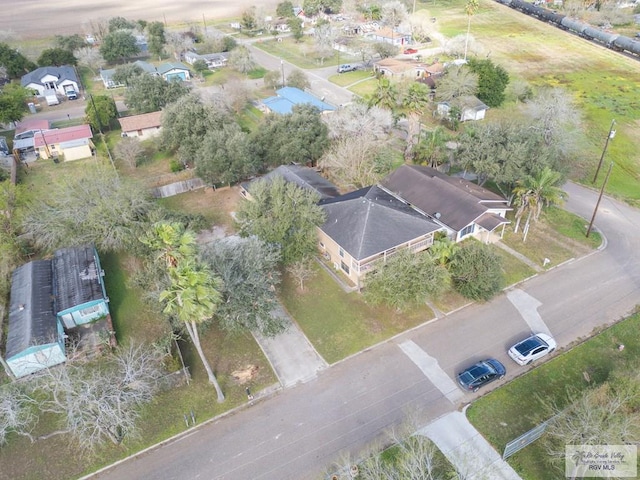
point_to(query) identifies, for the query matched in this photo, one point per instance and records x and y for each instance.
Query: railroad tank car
(627, 44)
(600, 36)
(574, 25)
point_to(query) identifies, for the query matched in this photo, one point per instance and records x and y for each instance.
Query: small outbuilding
(141, 126)
(35, 338)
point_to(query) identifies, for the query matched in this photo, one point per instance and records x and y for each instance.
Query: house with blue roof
(287, 97)
(49, 300)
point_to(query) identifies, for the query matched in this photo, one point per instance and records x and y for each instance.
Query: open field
(35, 19)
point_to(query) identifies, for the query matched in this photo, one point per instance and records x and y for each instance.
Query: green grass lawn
(301, 54)
(514, 270)
(340, 324)
(364, 88)
(558, 236)
(510, 411)
(347, 78)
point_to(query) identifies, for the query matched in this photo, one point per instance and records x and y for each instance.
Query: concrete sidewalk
(467, 449)
(292, 357)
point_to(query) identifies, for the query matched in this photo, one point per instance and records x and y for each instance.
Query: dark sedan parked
(480, 374)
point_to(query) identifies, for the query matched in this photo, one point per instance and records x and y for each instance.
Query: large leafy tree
(225, 156)
(492, 81)
(186, 122)
(148, 93)
(242, 60)
(407, 279)
(70, 42)
(13, 104)
(93, 206)
(249, 271)
(476, 271)
(284, 9)
(57, 57)
(118, 45)
(282, 214)
(457, 82)
(15, 62)
(504, 152)
(100, 112)
(157, 38)
(313, 7)
(299, 137)
(124, 74)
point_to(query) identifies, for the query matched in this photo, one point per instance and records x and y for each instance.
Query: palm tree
(171, 242)
(443, 250)
(385, 95)
(414, 102)
(192, 298)
(470, 8)
(533, 193)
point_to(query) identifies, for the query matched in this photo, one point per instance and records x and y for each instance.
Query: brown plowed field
(38, 18)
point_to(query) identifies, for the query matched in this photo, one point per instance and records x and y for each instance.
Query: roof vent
(437, 215)
(21, 306)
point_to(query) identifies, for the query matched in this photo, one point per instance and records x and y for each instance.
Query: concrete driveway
(292, 357)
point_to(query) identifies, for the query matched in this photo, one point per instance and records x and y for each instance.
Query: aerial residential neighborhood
(327, 240)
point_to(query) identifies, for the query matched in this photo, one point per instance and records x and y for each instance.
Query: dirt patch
(245, 375)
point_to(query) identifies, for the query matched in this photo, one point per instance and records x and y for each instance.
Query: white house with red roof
(71, 143)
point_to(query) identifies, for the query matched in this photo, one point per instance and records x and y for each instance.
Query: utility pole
(610, 135)
(595, 210)
(204, 22)
(282, 68)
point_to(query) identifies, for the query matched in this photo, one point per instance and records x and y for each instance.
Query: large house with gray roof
(49, 299)
(60, 79)
(368, 226)
(404, 211)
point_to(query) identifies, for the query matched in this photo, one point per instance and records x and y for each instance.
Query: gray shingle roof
(76, 277)
(62, 73)
(370, 221)
(31, 318)
(458, 201)
(304, 177)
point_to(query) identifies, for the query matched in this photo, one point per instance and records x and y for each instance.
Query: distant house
(388, 35)
(396, 68)
(35, 337)
(462, 207)
(72, 143)
(168, 71)
(107, 78)
(50, 298)
(471, 108)
(369, 226)
(59, 79)
(213, 60)
(174, 71)
(304, 177)
(287, 97)
(141, 126)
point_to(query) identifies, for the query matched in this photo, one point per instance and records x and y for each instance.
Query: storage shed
(35, 338)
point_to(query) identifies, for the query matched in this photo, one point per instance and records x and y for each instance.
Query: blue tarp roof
(290, 96)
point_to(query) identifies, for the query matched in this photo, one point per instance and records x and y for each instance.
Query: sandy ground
(36, 18)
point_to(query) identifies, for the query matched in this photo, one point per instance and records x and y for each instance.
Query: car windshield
(529, 344)
(466, 377)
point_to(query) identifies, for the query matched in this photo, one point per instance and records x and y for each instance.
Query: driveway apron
(292, 357)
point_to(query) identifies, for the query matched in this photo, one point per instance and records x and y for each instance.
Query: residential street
(295, 434)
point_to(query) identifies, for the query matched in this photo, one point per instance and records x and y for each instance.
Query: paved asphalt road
(298, 432)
